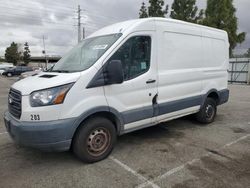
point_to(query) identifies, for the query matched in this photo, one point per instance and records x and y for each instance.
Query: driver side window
(134, 55)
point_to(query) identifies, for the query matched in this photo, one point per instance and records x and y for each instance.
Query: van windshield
(85, 54)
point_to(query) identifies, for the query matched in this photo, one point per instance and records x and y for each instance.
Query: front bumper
(48, 135)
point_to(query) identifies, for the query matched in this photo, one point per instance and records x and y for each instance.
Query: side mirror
(114, 72)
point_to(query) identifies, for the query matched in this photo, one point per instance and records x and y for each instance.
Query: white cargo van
(122, 78)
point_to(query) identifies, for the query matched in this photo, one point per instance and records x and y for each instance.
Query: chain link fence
(239, 70)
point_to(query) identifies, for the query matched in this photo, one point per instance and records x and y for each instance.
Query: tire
(208, 111)
(9, 74)
(94, 140)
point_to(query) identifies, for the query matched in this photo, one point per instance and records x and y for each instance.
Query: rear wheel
(208, 112)
(95, 140)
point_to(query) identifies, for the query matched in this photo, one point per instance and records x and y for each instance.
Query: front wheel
(9, 74)
(94, 140)
(208, 111)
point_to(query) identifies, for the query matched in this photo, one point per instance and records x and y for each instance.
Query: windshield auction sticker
(100, 47)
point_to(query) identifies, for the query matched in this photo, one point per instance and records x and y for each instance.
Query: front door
(134, 97)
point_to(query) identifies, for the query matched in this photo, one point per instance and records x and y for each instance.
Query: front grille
(15, 103)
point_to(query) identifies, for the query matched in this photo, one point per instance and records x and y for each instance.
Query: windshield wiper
(60, 71)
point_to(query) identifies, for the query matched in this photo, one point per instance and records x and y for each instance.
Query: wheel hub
(209, 111)
(98, 141)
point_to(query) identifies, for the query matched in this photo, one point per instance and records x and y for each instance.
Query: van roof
(121, 27)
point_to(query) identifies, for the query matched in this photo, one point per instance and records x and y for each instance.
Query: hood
(44, 80)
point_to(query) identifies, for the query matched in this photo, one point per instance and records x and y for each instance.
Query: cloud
(23, 21)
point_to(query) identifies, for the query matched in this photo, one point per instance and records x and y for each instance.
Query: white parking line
(169, 173)
(3, 133)
(139, 176)
(234, 142)
(177, 169)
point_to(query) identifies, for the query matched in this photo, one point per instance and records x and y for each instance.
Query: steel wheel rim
(98, 141)
(209, 111)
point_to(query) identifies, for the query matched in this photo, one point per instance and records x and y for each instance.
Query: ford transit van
(124, 77)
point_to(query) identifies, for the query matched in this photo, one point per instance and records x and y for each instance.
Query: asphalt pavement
(179, 153)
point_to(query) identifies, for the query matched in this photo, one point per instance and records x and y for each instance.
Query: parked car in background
(4, 67)
(36, 70)
(30, 73)
(16, 71)
(2, 70)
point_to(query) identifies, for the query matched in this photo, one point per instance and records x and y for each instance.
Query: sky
(30, 20)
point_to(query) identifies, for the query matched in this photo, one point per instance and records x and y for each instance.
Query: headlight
(49, 96)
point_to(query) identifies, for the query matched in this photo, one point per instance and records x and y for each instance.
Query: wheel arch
(104, 111)
(214, 94)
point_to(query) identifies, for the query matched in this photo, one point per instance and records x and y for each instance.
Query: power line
(45, 20)
(100, 16)
(35, 11)
(92, 24)
(32, 10)
(33, 4)
(67, 13)
(34, 19)
(88, 24)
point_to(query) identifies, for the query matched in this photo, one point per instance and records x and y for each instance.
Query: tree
(166, 10)
(186, 10)
(26, 53)
(155, 8)
(221, 14)
(143, 11)
(2, 60)
(12, 55)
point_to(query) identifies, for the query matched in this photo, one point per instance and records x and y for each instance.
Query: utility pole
(79, 23)
(83, 33)
(44, 52)
(248, 79)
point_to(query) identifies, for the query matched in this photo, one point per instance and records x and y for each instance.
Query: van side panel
(215, 60)
(179, 67)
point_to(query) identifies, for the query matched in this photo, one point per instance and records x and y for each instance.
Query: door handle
(150, 81)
